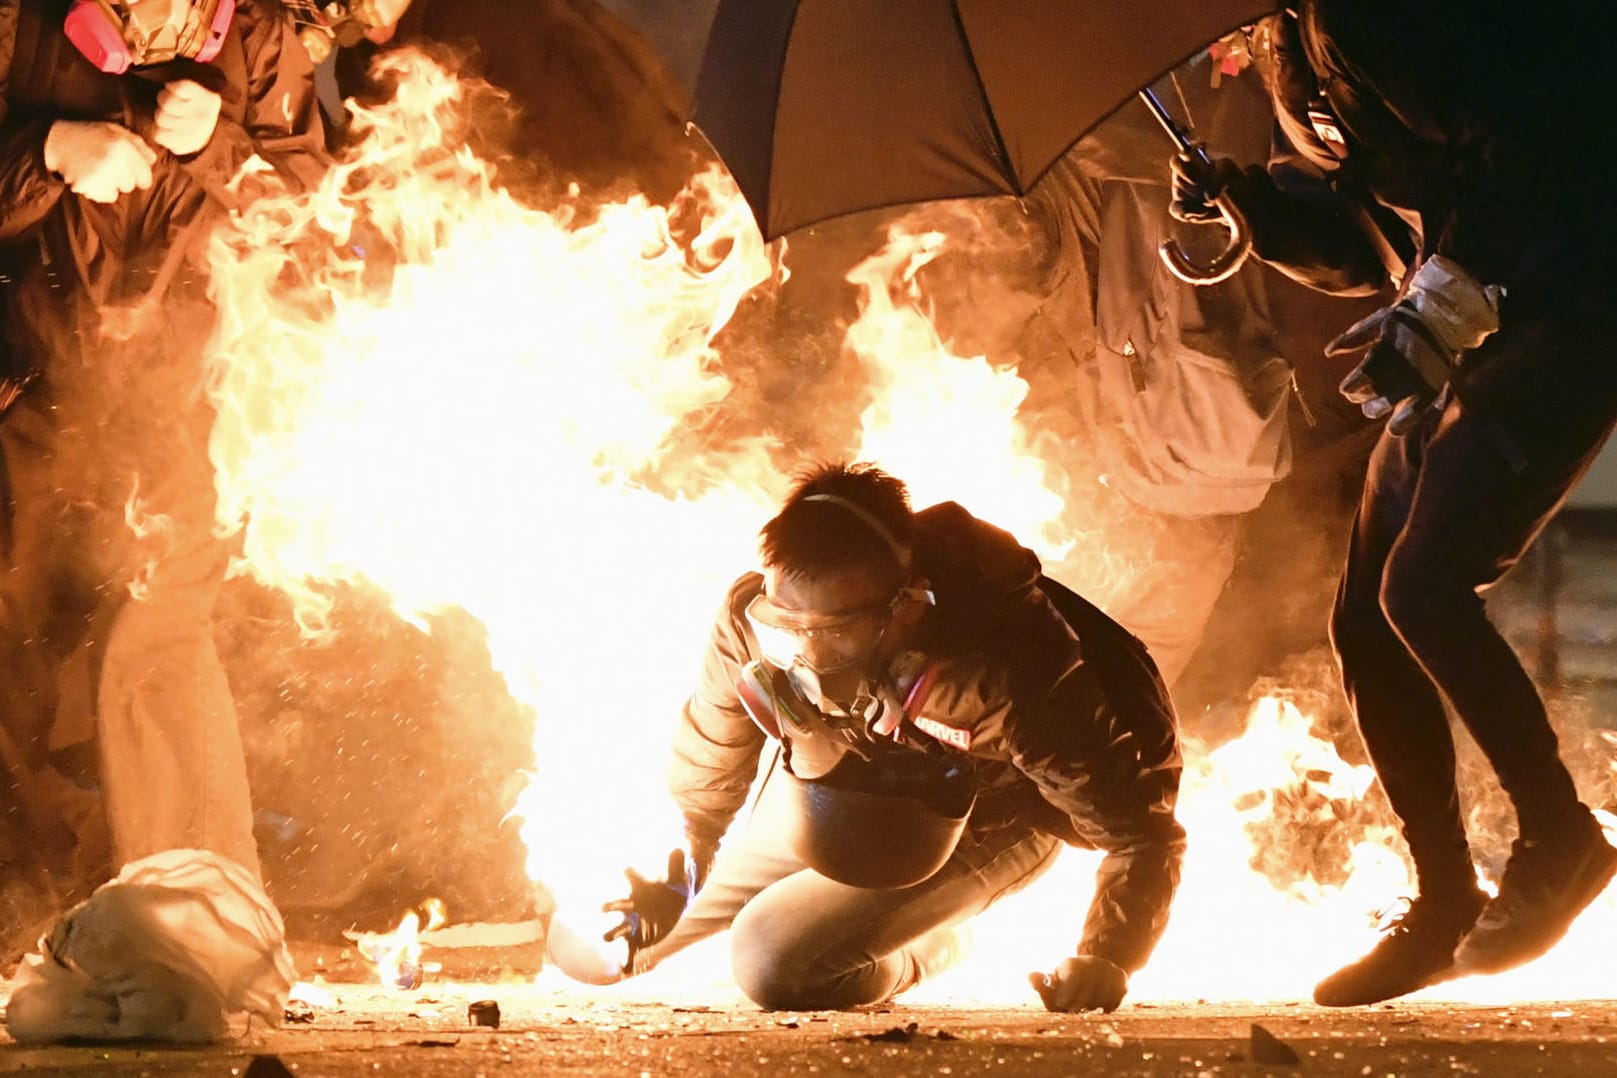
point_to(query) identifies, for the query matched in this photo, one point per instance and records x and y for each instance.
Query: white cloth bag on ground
(174, 948)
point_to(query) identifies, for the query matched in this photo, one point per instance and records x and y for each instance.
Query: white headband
(900, 551)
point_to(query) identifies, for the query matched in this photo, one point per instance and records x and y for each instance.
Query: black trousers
(1444, 514)
(109, 571)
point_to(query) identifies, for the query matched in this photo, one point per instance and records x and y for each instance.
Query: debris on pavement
(484, 1012)
(267, 1067)
(904, 1035)
(1267, 1048)
(296, 1013)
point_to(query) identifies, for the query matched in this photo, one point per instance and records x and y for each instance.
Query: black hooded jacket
(64, 257)
(1475, 124)
(1065, 717)
(262, 75)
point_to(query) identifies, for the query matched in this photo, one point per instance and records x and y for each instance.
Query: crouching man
(942, 718)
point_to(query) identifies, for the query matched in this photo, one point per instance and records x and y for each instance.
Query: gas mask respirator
(116, 35)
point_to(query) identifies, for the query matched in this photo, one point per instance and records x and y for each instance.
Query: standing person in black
(1457, 131)
(118, 144)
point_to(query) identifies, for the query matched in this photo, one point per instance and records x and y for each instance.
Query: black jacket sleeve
(28, 190)
(1307, 228)
(268, 103)
(1118, 788)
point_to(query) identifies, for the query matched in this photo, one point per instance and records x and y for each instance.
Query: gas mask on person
(116, 35)
(322, 26)
(830, 645)
(831, 662)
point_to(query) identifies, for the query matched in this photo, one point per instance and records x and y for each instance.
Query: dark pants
(1444, 515)
(109, 567)
(803, 942)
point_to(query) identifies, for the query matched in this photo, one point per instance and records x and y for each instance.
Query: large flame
(947, 424)
(427, 387)
(1289, 874)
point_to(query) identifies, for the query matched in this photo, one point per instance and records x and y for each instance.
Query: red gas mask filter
(116, 35)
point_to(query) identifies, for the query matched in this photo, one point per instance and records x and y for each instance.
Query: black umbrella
(826, 107)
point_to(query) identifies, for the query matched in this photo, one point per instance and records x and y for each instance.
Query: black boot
(1548, 881)
(1417, 951)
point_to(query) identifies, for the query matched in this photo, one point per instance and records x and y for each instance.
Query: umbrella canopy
(826, 107)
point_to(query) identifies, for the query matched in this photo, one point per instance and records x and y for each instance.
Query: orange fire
(429, 388)
(947, 424)
(1285, 873)
(397, 954)
(151, 530)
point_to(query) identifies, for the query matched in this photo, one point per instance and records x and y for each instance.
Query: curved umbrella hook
(1225, 264)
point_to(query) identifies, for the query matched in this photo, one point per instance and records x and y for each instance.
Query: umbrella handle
(1222, 266)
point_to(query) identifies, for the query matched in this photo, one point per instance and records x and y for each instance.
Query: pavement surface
(366, 1032)
(690, 1020)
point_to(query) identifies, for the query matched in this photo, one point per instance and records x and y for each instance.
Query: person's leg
(1405, 730)
(748, 862)
(1168, 602)
(44, 615)
(1399, 712)
(810, 943)
(1472, 518)
(172, 762)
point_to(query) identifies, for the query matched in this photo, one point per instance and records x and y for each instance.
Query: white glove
(186, 114)
(98, 160)
(1415, 343)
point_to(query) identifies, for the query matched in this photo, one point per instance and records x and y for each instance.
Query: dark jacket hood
(978, 573)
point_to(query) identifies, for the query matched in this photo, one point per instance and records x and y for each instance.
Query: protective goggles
(830, 644)
(116, 35)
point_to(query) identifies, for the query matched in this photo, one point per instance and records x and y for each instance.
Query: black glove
(1415, 344)
(653, 907)
(1196, 183)
(1400, 374)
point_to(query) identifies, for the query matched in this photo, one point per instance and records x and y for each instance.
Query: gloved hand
(1196, 184)
(1084, 983)
(186, 115)
(1415, 343)
(381, 18)
(653, 907)
(98, 160)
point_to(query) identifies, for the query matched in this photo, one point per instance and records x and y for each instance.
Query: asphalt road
(364, 1031)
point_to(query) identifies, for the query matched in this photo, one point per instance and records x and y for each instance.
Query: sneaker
(1547, 883)
(1416, 951)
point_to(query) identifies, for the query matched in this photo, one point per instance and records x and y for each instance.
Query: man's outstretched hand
(1083, 983)
(652, 907)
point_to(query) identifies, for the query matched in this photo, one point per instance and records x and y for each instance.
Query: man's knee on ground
(772, 967)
